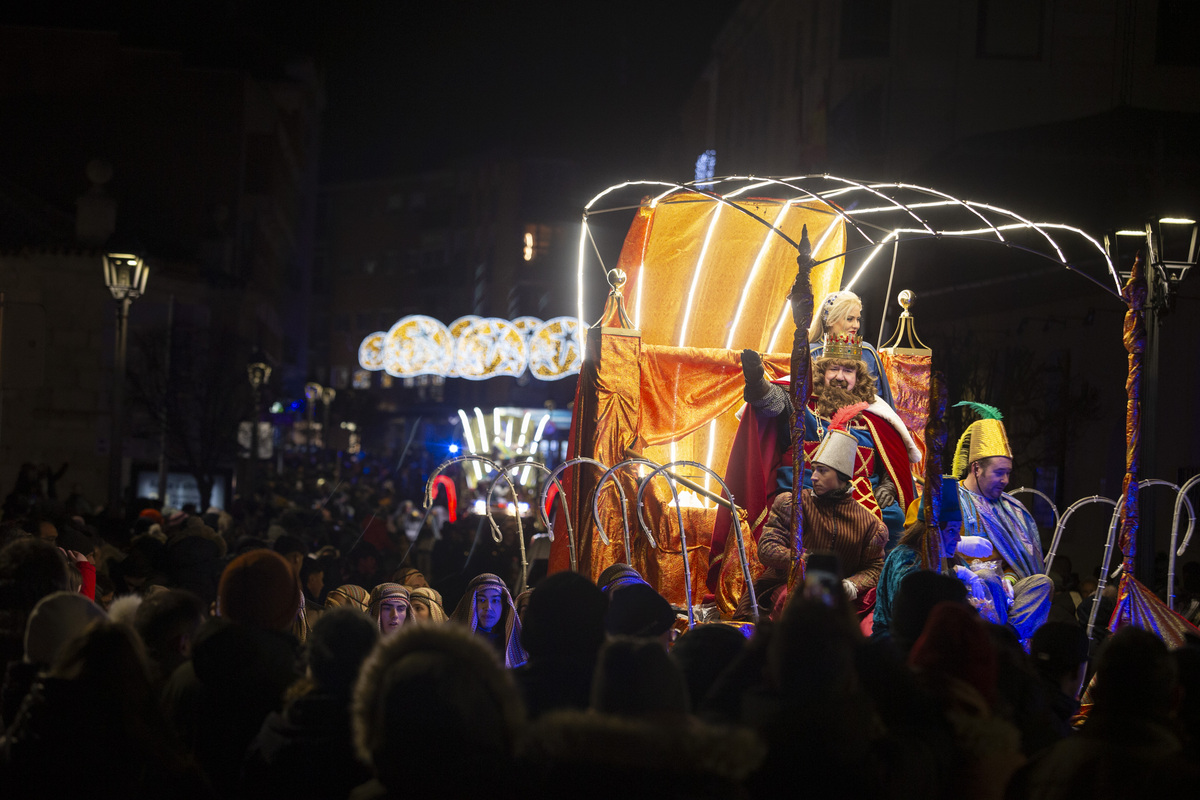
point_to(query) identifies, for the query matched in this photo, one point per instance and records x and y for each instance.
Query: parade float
(707, 270)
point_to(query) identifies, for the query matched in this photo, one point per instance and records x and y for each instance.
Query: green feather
(982, 409)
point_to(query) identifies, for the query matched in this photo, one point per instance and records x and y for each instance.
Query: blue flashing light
(453, 449)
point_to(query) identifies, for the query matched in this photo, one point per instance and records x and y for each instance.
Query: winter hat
(565, 616)
(955, 643)
(1058, 648)
(616, 576)
(259, 589)
(638, 610)
(57, 619)
(151, 514)
(337, 646)
(918, 593)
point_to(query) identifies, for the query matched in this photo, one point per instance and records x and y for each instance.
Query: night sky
(411, 86)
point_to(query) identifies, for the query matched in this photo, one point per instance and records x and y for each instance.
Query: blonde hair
(835, 306)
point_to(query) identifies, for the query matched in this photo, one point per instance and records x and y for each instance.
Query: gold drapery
(909, 376)
(691, 246)
(671, 394)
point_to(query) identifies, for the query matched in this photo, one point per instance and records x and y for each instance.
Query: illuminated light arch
(475, 348)
(915, 203)
(873, 215)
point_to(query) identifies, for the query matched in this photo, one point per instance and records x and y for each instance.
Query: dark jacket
(305, 751)
(218, 701)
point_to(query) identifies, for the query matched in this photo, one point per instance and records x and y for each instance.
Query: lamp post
(1170, 246)
(259, 372)
(312, 393)
(125, 275)
(327, 395)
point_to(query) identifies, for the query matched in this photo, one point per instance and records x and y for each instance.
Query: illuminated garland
(475, 348)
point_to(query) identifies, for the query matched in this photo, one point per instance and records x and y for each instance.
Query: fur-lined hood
(585, 737)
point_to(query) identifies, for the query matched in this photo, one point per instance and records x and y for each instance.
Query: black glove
(754, 375)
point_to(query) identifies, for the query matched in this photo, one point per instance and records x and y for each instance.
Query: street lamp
(125, 275)
(327, 395)
(312, 393)
(1169, 246)
(259, 372)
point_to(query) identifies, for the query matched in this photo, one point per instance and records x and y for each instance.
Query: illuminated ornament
(489, 348)
(417, 345)
(475, 348)
(526, 325)
(554, 349)
(458, 329)
(370, 352)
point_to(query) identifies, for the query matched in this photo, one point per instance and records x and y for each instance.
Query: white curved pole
(1062, 522)
(570, 532)
(1180, 498)
(596, 509)
(687, 569)
(1104, 566)
(526, 465)
(497, 535)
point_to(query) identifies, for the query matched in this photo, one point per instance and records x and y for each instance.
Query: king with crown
(761, 463)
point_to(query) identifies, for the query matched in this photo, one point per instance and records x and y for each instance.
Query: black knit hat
(638, 610)
(339, 642)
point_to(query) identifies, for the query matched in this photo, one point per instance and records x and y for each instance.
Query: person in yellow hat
(983, 462)
(833, 521)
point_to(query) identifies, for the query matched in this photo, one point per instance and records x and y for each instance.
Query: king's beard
(832, 396)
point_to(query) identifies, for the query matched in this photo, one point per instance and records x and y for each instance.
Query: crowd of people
(324, 638)
(249, 655)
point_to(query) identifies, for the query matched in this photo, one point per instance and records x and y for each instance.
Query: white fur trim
(124, 608)
(882, 409)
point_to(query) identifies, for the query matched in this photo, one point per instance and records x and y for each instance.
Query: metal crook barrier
(1061, 524)
(497, 535)
(1049, 559)
(596, 508)
(514, 468)
(687, 569)
(1179, 501)
(571, 545)
(1180, 497)
(1108, 547)
(737, 529)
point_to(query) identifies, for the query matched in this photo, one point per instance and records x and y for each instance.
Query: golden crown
(842, 345)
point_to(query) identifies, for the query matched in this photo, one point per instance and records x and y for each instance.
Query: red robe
(757, 453)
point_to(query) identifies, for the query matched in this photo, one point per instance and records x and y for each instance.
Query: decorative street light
(312, 393)
(125, 275)
(327, 395)
(259, 372)
(1169, 246)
